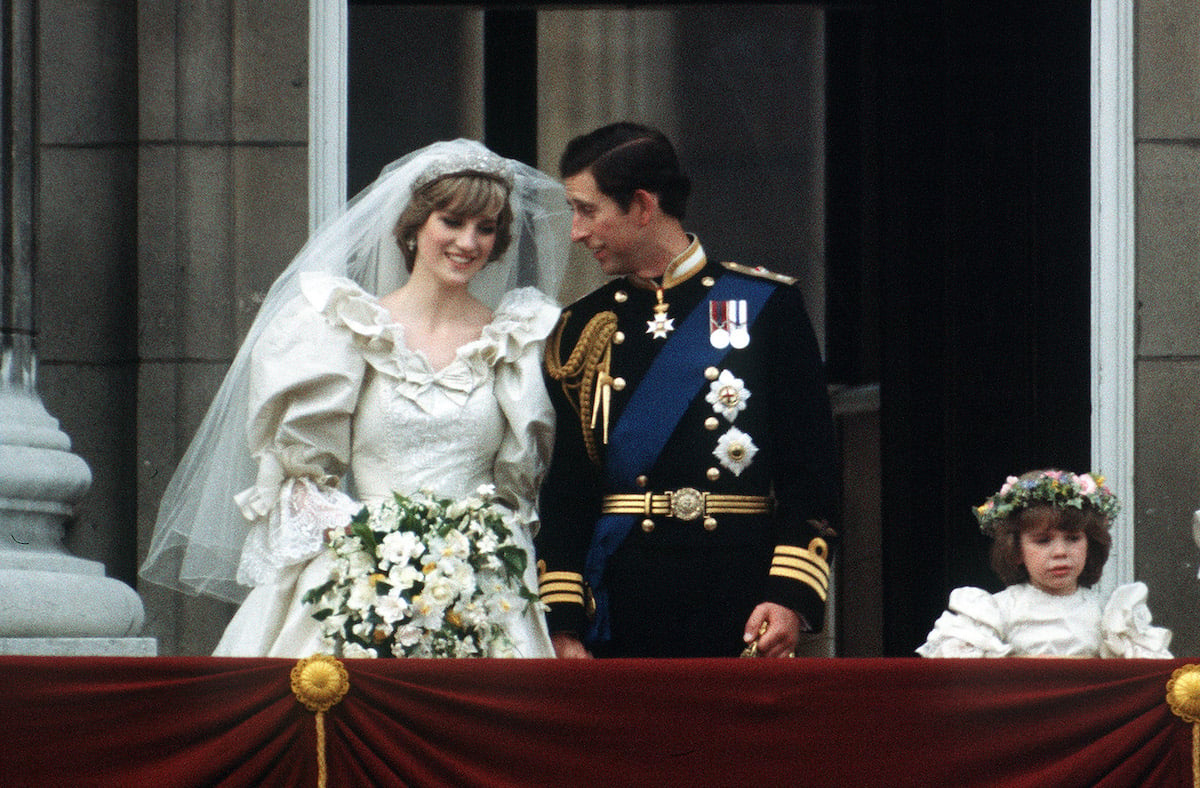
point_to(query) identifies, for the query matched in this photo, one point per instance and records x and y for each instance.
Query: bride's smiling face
(454, 248)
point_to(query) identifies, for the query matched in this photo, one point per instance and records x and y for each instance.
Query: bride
(400, 351)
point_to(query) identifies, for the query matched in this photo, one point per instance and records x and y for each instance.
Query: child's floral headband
(1055, 488)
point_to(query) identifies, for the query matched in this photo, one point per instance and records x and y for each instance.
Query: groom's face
(598, 222)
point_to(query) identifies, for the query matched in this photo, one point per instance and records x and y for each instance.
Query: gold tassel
(320, 682)
(1183, 696)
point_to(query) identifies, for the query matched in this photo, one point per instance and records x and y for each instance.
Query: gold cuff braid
(559, 587)
(808, 566)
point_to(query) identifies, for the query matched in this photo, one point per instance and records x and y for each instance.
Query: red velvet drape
(837, 722)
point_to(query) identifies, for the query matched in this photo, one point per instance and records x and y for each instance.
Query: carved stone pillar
(54, 603)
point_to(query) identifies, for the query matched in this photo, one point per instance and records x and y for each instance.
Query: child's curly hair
(1006, 545)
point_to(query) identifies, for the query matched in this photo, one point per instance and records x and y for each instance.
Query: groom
(687, 508)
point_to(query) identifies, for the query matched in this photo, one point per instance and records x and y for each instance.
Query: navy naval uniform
(694, 473)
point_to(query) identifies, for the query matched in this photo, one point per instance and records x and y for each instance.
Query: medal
(727, 324)
(661, 325)
(739, 333)
(718, 333)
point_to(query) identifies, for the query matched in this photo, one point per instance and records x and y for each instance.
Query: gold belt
(686, 503)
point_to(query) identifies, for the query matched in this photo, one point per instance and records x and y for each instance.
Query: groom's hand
(567, 646)
(780, 630)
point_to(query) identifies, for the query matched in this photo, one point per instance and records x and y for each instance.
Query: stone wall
(85, 265)
(1167, 460)
(222, 194)
(172, 164)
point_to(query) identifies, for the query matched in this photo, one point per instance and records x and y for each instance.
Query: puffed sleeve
(1125, 628)
(523, 319)
(971, 627)
(306, 372)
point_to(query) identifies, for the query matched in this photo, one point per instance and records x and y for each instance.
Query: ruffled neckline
(523, 316)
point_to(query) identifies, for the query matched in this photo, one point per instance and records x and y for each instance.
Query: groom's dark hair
(624, 157)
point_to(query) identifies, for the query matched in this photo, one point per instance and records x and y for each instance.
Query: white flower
(462, 575)
(405, 576)
(359, 564)
(487, 543)
(362, 594)
(735, 450)
(427, 614)
(473, 616)
(347, 545)
(400, 547)
(441, 590)
(355, 651)
(466, 648)
(391, 608)
(455, 545)
(502, 604)
(408, 635)
(503, 647)
(727, 394)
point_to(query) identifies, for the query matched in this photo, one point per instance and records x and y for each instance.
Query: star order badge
(661, 325)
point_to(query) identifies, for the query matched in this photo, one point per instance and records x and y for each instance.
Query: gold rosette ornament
(1183, 696)
(320, 682)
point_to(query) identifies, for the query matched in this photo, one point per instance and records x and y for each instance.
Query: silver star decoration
(660, 326)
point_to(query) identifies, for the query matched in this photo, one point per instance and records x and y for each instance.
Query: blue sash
(648, 421)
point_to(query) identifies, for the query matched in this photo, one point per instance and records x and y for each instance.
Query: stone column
(54, 603)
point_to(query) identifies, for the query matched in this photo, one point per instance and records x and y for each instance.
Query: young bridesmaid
(1050, 532)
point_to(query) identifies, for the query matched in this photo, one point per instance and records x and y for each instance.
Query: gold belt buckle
(687, 504)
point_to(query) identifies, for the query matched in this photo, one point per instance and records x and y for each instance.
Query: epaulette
(759, 271)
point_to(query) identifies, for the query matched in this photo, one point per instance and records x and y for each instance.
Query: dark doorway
(961, 159)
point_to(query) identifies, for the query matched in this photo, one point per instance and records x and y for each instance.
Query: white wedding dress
(336, 390)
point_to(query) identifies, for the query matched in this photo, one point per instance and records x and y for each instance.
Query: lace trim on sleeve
(293, 530)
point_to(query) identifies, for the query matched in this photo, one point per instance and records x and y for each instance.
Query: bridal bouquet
(420, 576)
